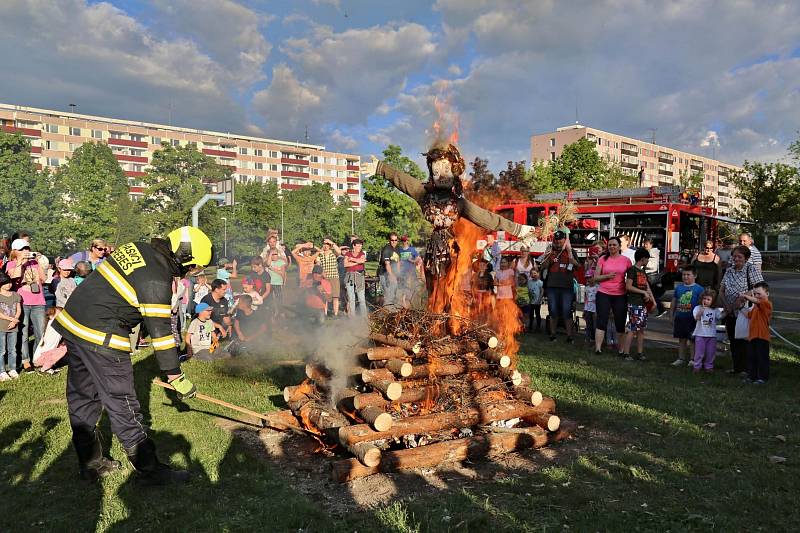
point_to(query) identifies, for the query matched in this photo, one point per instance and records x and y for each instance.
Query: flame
(444, 129)
(305, 388)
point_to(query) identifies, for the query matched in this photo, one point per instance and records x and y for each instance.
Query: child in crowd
(248, 288)
(705, 331)
(82, 269)
(523, 297)
(10, 313)
(760, 315)
(200, 337)
(276, 267)
(686, 297)
(504, 280)
(248, 325)
(225, 272)
(590, 306)
(639, 296)
(483, 282)
(318, 294)
(201, 289)
(536, 292)
(66, 284)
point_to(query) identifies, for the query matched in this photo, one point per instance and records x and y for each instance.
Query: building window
(552, 156)
(75, 132)
(259, 166)
(340, 186)
(155, 140)
(273, 168)
(97, 134)
(53, 161)
(175, 142)
(552, 141)
(273, 153)
(51, 128)
(116, 134)
(136, 137)
(315, 172)
(242, 150)
(258, 152)
(137, 153)
(73, 147)
(314, 159)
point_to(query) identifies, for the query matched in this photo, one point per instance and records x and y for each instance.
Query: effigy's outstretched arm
(492, 221)
(405, 182)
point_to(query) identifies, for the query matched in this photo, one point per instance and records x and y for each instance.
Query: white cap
(19, 244)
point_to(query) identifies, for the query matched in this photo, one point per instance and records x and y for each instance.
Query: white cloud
(341, 78)
(337, 140)
(711, 139)
(108, 63)
(228, 31)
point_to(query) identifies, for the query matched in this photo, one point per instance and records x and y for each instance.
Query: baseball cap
(19, 244)
(202, 306)
(404, 238)
(559, 235)
(66, 264)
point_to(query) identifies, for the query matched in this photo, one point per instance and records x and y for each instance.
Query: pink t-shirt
(28, 298)
(505, 291)
(617, 266)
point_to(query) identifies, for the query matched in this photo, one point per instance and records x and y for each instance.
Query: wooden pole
(382, 353)
(421, 394)
(393, 341)
(492, 356)
(377, 418)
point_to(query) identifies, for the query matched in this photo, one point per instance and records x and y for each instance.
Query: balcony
(355, 203)
(629, 164)
(352, 191)
(629, 149)
(128, 142)
(219, 153)
(723, 203)
(723, 171)
(723, 183)
(134, 173)
(36, 149)
(665, 183)
(664, 172)
(291, 186)
(293, 161)
(353, 167)
(131, 158)
(294, 174)
(664, 157)
(353, 179)
(29, 132)
(696, 165)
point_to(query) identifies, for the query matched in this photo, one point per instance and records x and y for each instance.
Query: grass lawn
(659, 449)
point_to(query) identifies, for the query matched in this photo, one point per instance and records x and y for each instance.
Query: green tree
(771, 192)
(175, 181)
(513, 181)
(257, 209)
(692, 181)
(27, 195)
(580, 167)
(93, 191)
(387, 209)
(542, 180)
(310, 213)
(481, 178)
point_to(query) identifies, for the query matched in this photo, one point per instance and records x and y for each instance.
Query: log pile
(414, 399)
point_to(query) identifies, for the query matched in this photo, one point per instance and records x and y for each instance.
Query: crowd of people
(621, 292)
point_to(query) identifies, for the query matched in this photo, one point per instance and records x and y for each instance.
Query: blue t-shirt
(686, 298)
(408, 259)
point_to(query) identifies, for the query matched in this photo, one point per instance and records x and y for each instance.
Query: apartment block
(661, 165)
(54, 135)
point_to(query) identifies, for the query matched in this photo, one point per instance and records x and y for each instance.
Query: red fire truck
(678, 222)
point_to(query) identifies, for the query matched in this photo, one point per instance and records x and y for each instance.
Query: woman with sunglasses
(706, 262)
(94, 255)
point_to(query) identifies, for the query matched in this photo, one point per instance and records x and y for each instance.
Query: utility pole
(653, 135)
(225, 236)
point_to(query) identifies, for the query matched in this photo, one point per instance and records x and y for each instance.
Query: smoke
(335, 343)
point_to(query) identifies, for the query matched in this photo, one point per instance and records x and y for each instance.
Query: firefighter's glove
(184, 387)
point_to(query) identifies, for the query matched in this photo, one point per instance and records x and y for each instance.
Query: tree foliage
(482, 180)
(175, 183)
(387, 209)
(93, 193)
(580, 167)
(27, 195)
(771, 192)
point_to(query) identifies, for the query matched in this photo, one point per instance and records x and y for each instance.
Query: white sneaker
(4, 376)
(678, 362)
(13, 374)
(689, 363)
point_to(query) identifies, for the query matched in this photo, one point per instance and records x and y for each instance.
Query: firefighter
(132, 286)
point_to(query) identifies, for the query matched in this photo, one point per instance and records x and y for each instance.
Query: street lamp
(352, 220)
(281, 197)
(225, 236)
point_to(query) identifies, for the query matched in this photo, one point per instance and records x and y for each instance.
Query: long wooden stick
(200, 396)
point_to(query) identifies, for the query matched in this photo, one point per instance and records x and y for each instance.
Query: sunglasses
(100, 248)
(392, 240)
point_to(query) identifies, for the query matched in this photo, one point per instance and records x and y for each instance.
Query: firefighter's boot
(151, 471)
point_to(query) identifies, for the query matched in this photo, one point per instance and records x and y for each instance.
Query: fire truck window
(533, 215)
(506, 213)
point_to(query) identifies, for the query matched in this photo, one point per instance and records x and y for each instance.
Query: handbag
(35, 287)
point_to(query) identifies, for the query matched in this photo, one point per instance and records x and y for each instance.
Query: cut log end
(537, 398)
(400, 367)
(492, 342)
(377, 418)
(393, 391)
(553, 423)
(367, 454)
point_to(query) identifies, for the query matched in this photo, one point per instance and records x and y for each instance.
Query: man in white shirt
(745, 239)
(626, 250)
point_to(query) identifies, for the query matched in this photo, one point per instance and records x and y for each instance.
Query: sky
(711, 77)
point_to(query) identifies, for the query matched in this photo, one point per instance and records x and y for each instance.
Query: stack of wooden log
(419, 401)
